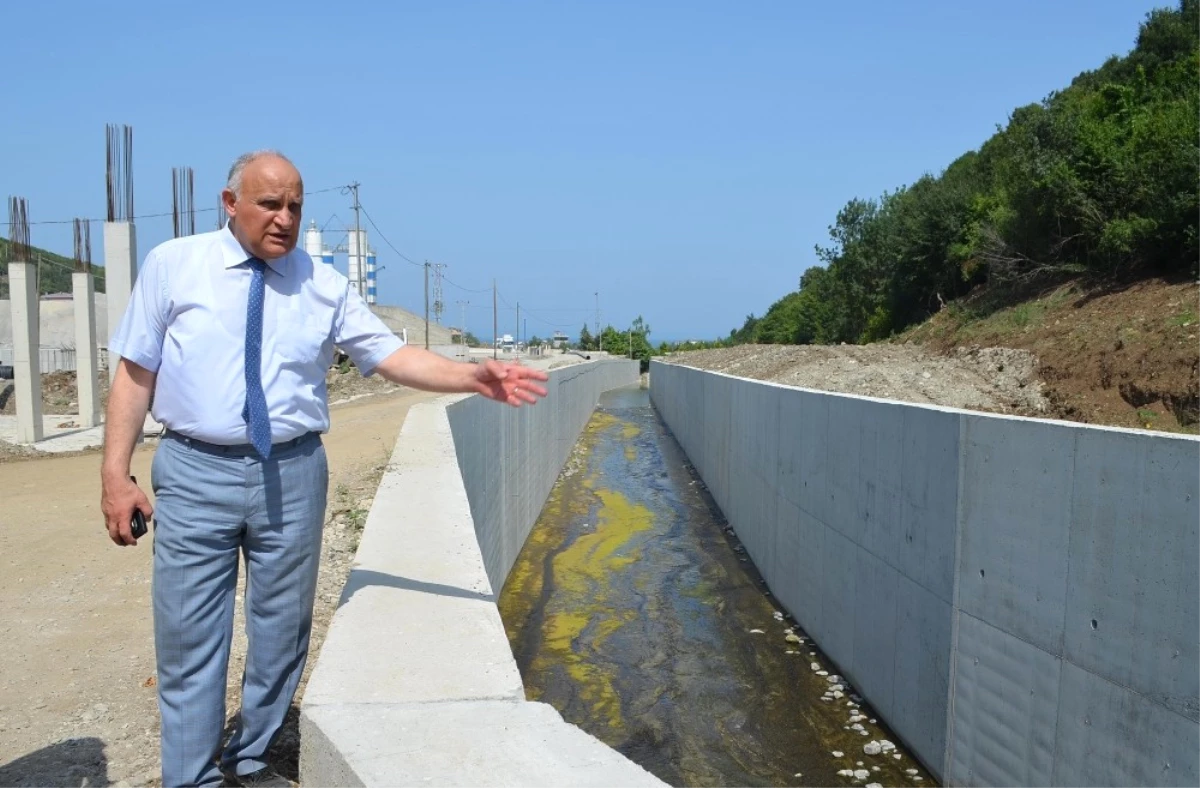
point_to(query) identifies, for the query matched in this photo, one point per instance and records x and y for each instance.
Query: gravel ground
(997, 380)
(78, 703)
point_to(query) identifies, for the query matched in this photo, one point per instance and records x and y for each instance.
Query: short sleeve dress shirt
(186, 321)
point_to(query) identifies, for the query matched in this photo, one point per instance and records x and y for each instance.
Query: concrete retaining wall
(416, 683)
(56, 323)
(509, 464)
(1018, 598)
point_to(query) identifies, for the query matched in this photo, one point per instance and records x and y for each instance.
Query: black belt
(237, 449)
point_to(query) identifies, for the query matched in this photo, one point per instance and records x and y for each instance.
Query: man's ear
(229, 201)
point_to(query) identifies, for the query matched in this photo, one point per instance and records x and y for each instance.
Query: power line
(167, 213)
(449, 281)
(403, 256)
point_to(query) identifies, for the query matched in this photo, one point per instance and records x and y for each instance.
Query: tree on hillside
(1099, 179)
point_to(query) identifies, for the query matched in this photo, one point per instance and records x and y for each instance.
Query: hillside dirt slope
(993, 380)
(1123, 355)
(1118, 355)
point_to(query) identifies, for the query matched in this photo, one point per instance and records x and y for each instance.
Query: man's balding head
(264, 196)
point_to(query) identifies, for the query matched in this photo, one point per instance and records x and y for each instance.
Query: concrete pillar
(120, 270)
(83, 289)
(27, 370)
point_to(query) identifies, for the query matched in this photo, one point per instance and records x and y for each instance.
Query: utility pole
(462, 328)
(427, 305)
(495, 321)
(631, 342)
(438, 304)
(518, 328)
(599, 336)
(361, 255)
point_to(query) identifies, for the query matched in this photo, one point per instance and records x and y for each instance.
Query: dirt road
(77, 696)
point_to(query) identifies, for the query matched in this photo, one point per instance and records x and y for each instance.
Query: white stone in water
(860, 763)
(790, 638)
(822, 673)
(874, 768)
(789, 651)
(918, 779)
(778, 616)
(872, 720)
(911, 772)
(836, 686)
(832, 680)
(814, 666)
(837, 694)
(757, 632)
(863, 733)
(874, 785)
(871, 747)
(887, 745)
(861, 774)
(845, 773)
(837, 753)
(858, 727)
(897, 756)
(798, 774)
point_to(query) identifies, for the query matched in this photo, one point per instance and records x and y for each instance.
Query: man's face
(265, 217)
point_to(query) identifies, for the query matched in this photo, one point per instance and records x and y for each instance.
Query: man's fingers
(119, 531)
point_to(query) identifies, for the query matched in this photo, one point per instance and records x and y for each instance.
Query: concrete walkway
(63, 433)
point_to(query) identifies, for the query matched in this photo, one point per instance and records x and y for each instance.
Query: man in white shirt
(233, 332)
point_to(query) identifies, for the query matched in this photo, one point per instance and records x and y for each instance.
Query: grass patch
(1186, 318)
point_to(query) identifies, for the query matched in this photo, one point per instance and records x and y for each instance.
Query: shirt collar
(234, 254)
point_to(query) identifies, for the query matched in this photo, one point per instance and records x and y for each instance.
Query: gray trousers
(211, 504)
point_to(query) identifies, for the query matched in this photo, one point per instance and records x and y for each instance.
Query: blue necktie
(255, 411)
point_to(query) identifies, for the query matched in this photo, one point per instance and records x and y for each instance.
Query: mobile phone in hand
(137, 525)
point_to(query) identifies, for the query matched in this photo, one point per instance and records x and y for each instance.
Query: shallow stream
(635, 612)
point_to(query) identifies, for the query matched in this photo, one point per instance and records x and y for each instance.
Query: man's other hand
(118, 498)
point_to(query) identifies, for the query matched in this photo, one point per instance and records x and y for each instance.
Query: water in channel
(634, 611)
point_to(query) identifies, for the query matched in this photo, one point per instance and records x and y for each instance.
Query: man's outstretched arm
(420, 369)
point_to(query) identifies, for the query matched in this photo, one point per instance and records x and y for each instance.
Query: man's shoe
(265, 777)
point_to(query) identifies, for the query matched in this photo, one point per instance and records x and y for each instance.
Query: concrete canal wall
(416, 683)
(1017, 598)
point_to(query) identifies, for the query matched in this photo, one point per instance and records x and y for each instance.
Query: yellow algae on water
(578, 618)
(581, 576)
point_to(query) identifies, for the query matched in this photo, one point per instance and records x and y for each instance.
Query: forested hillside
(1098, 181)
(54, 271)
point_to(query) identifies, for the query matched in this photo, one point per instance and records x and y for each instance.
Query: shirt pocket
(300, 339)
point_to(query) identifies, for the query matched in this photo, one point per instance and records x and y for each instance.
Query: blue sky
(681, 158)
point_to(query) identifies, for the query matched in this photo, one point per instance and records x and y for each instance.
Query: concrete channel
(634, 610)
(1016, 599)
